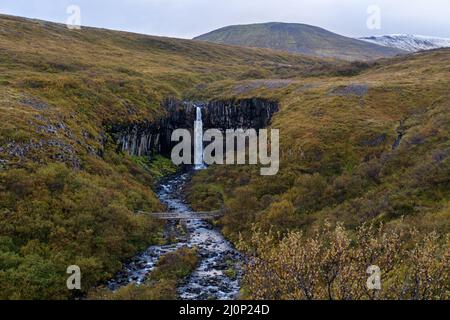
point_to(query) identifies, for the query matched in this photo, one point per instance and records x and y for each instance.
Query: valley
(86, 119)
(219, 272)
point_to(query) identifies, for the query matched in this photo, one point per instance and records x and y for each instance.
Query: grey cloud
(188, 18)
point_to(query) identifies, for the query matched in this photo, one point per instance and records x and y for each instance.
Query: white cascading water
(198, 141)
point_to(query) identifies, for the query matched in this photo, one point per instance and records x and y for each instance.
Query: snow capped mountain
(411, 43)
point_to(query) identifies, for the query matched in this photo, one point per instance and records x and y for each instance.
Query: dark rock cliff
(146, 139)
(239, 114)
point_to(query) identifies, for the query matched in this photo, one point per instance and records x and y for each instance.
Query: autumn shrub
(52, 217)
(332, 264)
(176, 265)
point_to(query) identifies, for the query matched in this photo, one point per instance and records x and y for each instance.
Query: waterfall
(198, 141)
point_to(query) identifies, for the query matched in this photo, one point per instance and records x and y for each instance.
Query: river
(213, 278)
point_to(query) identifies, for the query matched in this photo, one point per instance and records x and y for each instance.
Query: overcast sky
(189, 18)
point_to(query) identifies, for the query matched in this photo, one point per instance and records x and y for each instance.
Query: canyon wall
(147, 139)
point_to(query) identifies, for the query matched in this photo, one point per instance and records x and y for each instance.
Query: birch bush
(332, 264)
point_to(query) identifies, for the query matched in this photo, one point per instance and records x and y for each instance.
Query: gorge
(147, 139)
(219, 272)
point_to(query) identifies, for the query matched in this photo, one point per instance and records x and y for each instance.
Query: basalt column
(147, 139)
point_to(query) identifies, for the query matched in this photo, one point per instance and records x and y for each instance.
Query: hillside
(410, 43)
(298, 38)
(359, 142)
(66, 195)
(370, 146)
(82, 80)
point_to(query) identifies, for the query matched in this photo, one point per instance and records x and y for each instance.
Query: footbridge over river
(184, 216)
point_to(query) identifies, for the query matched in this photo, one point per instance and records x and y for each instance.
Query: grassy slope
(338, 161)
(91, 77)
(66, 196)
(298, 38)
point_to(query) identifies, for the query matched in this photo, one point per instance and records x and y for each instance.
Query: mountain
(298, 38)
(407, 42)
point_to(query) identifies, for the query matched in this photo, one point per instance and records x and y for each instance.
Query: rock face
(240, 114)
(147, 139)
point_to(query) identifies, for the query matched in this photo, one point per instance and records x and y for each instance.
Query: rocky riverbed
(219, 272)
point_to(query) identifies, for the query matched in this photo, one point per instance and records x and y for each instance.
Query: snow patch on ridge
(411, 43)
